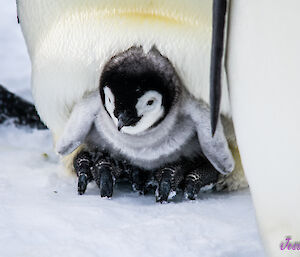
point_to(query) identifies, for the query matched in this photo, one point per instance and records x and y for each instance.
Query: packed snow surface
(41, 214)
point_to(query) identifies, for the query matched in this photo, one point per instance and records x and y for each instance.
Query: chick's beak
(126, 120)
(121, 121)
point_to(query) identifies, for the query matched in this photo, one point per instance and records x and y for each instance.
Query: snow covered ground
(41, 214)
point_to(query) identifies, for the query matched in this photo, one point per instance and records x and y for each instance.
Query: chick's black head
(137, 89)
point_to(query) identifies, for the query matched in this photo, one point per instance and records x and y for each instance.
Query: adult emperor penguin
(262, 60)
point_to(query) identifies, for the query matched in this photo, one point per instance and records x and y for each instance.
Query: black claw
(105, 181)
(192, 184)
(138, 180)
(150, 187)
(103, 174)
(82, 184)
(169, 180)
(82, 165)
(165, 184)
(164, 190)
(199, 177)
(191, 191)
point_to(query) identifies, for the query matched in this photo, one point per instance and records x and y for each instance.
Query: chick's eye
(150, 102)
(108, 99)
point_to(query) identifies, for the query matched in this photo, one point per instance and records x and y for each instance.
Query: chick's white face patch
(110, 104)
(149, 108)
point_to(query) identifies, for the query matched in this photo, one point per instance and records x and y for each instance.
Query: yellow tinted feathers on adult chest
(70, 41)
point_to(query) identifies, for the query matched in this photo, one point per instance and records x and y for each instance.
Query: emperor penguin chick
(143, 114)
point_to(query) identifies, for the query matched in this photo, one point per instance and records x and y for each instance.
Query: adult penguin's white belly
(263, 71)
(70, 41)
